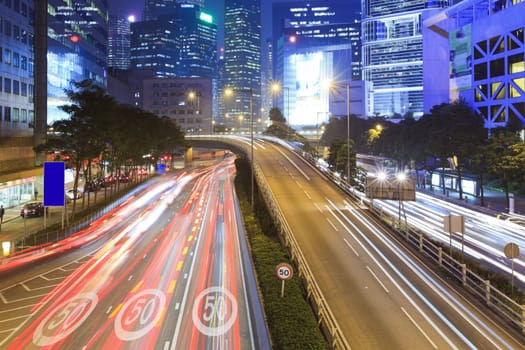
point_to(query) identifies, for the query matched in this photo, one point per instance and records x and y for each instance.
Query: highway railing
(324, 315)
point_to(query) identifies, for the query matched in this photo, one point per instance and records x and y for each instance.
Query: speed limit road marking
(214, 311)
(64, 319)
(139, 314)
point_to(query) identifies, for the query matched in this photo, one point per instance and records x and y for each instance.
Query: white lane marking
(418, 327)
(109, 309)
(130, 277)
(307, 195)
(332, 224)
(318, 207)
(377, 279)
(351, 247)
(293, 163)
(177, 306)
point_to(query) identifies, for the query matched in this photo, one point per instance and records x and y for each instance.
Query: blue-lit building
(482, 50)
(77, 48)
(182, 43)
(393, 54)
(314, 42)
(242, 62)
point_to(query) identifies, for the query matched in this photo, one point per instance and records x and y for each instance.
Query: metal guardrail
(324, 314)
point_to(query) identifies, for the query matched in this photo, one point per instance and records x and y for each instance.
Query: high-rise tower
(393, 54)
(242, 59)
(119, 42)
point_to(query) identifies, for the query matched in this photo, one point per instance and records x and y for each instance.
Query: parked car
(32, 209)
(72, 195)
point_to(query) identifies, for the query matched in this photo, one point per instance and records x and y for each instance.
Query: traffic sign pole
(284, 272)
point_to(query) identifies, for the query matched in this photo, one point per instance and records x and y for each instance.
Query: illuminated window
(496, 90)
(516, 63)
(497, 45)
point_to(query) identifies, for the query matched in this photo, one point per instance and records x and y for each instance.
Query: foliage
(291, 322)
(276, 115)
(100, 129)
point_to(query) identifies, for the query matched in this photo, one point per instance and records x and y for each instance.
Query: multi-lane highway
(168, 270)
(380, 293)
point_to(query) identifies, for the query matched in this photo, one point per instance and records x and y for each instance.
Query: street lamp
(401, 177)
(230, 91)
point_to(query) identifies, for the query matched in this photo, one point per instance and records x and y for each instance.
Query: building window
(7, 56)
(23, 89)
(7, 85)
(497, 45)
(7, 28)
(16, 87)
(516, 63)
(480, 71)
(23, 116)
(496, 90)
(1, 113)
(515, 39)
(7, 114)
(497, 68)
(31, 118)
(16, 115)
(516, 87)
(16, 59)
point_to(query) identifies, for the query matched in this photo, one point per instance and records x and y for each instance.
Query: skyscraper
(314, 42)
(119, 42)
(242, 58)
(77, 48)
(181, 43)
(393, 54)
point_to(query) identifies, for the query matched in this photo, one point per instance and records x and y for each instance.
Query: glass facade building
(180, 44)
(242, 60)
(314, 42)
(485, 42)
(393, 54)
(77, 48)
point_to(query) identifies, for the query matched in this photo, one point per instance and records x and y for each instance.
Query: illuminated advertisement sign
(460, 61)
(309, 98)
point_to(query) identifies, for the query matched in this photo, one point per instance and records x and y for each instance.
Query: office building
(313, 43)
(242, 61)
(483, 51)
(180, 44)
(187, 101)
(77, 48)
(119, 42)
(17, 109)
(393, 54)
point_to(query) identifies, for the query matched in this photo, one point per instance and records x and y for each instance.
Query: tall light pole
(348, 133)
(230, 91)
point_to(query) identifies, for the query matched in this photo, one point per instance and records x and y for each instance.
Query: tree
(505, 157)
(276, 115)
(81, 137)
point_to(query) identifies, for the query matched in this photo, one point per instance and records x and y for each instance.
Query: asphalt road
(380, 294)
(165, 270)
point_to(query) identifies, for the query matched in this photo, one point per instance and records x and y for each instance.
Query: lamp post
(401, 177)
(348, 133)
(230, 91)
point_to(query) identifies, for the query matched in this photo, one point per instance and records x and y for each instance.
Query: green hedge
(290, 319)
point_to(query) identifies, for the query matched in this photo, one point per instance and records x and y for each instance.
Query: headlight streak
(394, 282)
(434, 229)
(466, 314)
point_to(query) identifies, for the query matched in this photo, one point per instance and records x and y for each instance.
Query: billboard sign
(54, 178)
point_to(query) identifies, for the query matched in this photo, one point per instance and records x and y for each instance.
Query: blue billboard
(54, 179)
